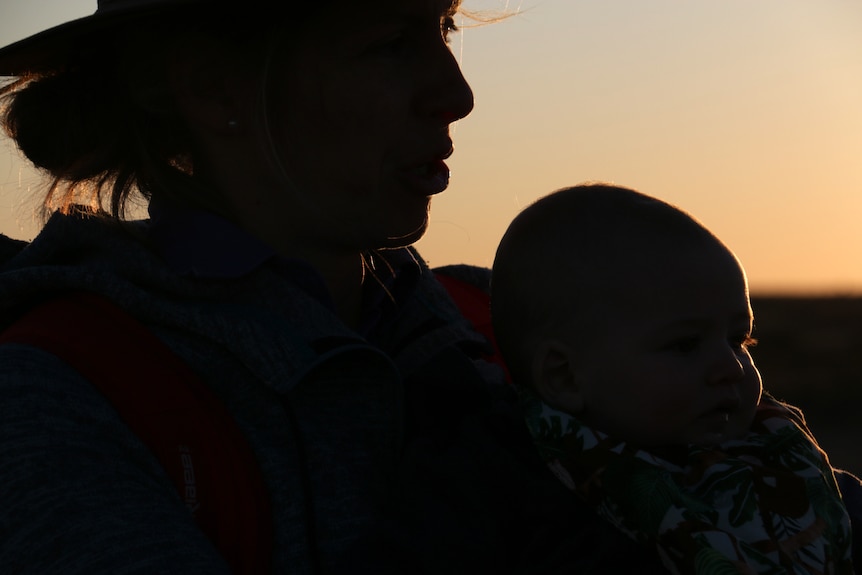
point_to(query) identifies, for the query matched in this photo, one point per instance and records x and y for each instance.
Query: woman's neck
(344, 283)
(342, 270)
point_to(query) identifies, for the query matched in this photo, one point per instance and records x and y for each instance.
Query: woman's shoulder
(80, 252)
(10, 247)
(79, 240)
(38, 387)
(63, 441)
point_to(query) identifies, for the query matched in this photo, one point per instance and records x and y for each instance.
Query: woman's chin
(405, 239)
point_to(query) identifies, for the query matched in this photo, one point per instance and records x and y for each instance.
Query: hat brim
(49, 49)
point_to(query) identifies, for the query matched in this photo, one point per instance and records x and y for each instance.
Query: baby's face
(671, 363)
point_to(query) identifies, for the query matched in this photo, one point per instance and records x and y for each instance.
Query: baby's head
(626, 312)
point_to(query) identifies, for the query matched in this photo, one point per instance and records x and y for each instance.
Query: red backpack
(175, 414)
(170, 409)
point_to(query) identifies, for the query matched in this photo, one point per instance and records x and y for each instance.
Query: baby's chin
(719, 427)
(712, 439)
(717, 437)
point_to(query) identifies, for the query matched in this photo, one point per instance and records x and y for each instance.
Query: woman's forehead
(345, 22)
(433, 7)
(352, 19)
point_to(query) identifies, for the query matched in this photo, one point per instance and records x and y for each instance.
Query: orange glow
(746, 114)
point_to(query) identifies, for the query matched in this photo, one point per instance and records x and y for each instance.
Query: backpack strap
(181, 421)
(170, 409)
(475, 305)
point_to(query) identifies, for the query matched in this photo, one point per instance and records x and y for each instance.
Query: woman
(287, 160)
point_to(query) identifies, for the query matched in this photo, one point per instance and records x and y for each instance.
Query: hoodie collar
(201, 244)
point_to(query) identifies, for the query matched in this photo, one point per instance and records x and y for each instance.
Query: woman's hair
(104, 125)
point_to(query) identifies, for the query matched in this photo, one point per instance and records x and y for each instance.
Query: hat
(46, 50)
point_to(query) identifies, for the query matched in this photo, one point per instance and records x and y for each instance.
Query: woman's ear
(212, 88)
(555, 376)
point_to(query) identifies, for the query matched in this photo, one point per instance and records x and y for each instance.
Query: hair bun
(66, 125)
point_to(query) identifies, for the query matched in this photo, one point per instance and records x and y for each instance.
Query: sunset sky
(746, 113)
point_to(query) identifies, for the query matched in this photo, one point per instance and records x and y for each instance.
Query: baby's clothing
(767, 503)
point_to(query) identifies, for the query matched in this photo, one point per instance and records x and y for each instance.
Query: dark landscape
(810, 355)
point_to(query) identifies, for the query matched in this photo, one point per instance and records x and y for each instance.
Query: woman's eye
(447, 27)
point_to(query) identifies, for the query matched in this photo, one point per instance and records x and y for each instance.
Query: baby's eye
(684, 345)
(447, 27)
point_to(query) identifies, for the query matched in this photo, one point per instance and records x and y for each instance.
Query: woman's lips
(428, 179)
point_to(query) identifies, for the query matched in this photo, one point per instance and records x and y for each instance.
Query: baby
(627, 326)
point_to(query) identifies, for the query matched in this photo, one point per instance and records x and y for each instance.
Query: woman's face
(359, 108)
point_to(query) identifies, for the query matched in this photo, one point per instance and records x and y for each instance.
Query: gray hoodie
(323, 409)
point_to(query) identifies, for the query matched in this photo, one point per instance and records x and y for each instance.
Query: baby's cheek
(672, 406)
(668, 419)
(740, 422)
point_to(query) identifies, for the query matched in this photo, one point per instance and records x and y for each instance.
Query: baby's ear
(554, 376)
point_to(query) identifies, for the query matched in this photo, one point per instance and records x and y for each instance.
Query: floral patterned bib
(767, 503)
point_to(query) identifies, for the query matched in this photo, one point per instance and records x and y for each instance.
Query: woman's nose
(445, 94)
